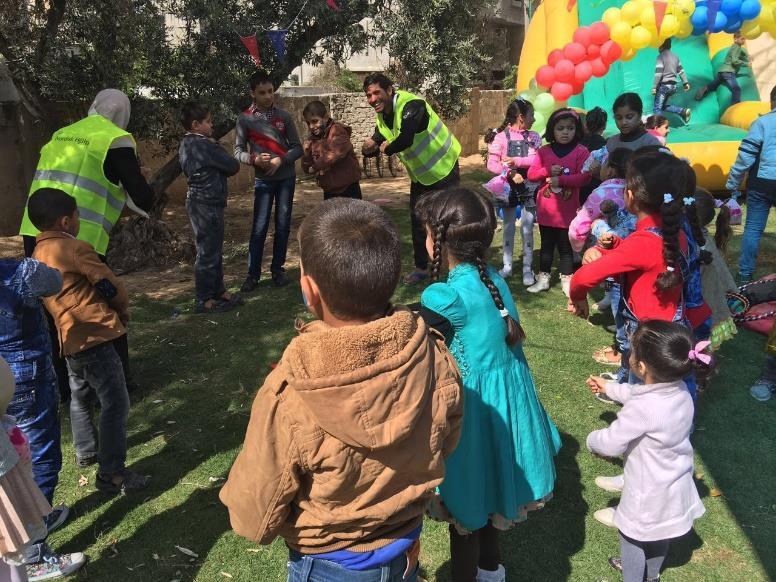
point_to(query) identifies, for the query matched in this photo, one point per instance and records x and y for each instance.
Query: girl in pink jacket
(514, 146)
(558, 166)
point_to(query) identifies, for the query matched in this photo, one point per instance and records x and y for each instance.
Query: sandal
(415, 277)
(604, 356)
(129, 481)
(218, 306)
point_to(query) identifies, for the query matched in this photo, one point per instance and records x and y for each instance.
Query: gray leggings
(527, 219)
(642, 558)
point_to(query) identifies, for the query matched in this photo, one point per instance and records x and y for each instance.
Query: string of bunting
(277, 37)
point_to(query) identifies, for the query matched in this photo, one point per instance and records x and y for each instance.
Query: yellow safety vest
(433, 152)
(72, 162)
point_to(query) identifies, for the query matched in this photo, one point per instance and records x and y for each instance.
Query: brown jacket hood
(332, 159)
(364, 385)
(347, 437)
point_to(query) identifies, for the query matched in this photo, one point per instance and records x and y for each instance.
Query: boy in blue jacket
(207, 166)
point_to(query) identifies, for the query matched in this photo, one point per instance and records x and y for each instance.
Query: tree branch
(56, 13)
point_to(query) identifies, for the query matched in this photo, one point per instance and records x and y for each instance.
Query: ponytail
(439, 238)
(515, 332)
(492, 133)
(723, 230)
(671, 215)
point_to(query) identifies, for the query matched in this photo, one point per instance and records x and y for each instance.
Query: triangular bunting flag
(713, 8)
(333, 5)
(570, 5)
(660, 7)
(278, 40)
(252, 45)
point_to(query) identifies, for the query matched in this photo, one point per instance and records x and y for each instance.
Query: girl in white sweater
(652, 431)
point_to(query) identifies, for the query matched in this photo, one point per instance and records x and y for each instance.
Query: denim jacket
(23, 329)
(757, 156)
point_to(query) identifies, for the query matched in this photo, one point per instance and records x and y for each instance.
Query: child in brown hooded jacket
(328, 153)
(348, 436)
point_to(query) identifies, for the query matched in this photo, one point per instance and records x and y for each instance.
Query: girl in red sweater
(651, 261)
(558, 166)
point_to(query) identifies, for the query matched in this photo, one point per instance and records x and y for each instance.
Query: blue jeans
(758, 206)
(306, 569)
(267, 192)
(620, 337)
(729, 80)
(664, 92)
(35, 405)
(207, 222)
(97, 373)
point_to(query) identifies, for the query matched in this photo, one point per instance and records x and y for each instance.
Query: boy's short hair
(260, 77)
(351, 249)
(773, 94)
(192, 112)
(48, 205)
(314, 108)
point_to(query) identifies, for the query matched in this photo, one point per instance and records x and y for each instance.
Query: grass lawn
(199, 375)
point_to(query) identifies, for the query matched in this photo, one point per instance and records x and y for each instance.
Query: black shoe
(249, 284)
(130, 481)
(279, 279)
(56, 518)
(85, 461)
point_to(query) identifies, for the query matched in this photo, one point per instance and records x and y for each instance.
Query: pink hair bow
(697, 353)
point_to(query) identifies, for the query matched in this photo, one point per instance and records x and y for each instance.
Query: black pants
(207, 223)
(352, 191)
(417, 191)
(60, 367)
(478, 549)
(555, 238)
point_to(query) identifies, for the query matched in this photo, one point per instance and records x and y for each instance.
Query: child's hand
(556, 170)
(581, 308)
(654, 91)
(369, 146)
(384, 145)
(124, 317)
(517, 179)
(606, 240)
(273, 166)
(591, 254)
(596, 384)
(554, 181)
(507, 161)
(306, 146)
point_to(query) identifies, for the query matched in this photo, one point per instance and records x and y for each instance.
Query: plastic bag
(735, 208)
(499, 187)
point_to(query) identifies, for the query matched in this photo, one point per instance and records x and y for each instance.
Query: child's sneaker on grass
(528, 278)
(55, 566)
(606, 516)
(565, 284)
(763, 390)
(611, 484)
(542, 283)
(505, 273)
(499, 575)
(56, 518)
(602, 397)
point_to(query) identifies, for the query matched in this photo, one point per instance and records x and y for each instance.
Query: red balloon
(545, 76)
(561, 91)
(564, 71)
(610, 52)
(582, 36)
(575, 52)
(577, 88)
(599, 67)
(582, 72)
(593, 51)
(554, 57)
(599, 32)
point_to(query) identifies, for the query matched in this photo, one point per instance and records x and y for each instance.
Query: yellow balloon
(611, 16)
(684, 8)
(648, 17)
(640, 37)
(685, 29)
(751, 32)
(630, 12)
(621, 33)
(670, 26)
(628, 55)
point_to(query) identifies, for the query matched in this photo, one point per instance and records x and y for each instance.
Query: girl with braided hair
(503, 465)
(514, 146)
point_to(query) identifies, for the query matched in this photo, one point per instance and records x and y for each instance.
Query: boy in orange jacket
(90, 311)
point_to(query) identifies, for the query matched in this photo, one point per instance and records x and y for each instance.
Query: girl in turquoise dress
(503, 466)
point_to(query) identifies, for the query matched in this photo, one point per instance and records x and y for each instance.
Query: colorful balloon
(670, 26)
(543, 103)
(575, 52)
(621, 33)
(630, 12)
(582, 36)
(545, 76)
(582, 72)
(611, 16)
(561, 91)
(593, 51)
(555, 57)
(730, 8)
(599, 31)
(564, 71)
(640, 37)
(599, 67)
(750, 9)
(610, 52)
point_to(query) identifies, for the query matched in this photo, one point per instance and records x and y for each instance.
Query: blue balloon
(699, 18)
(730, 8)
(720, 22)
(733, 25)
(750, 9)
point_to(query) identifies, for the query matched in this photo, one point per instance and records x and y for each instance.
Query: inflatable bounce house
(584, 54)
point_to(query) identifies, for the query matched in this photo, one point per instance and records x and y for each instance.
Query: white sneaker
(605, 304)
(565, 284)
(606, 516)
(528, 278)
(611, 484)
(499, 575)
(542, 283)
